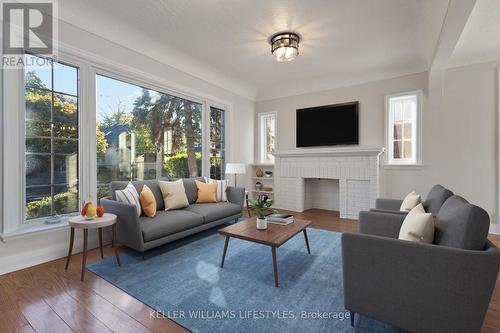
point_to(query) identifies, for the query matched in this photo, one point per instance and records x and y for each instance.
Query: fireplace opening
(321, 193)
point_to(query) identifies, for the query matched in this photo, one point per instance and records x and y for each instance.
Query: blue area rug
(183, 281)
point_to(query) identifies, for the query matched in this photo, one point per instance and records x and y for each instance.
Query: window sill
(33, 229)
(416, 166)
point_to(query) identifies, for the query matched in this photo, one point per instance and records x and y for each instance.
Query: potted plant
(261, 207)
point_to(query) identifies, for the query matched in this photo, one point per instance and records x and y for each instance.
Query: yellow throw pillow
(148, 202)
(174, 194)
(206, 192)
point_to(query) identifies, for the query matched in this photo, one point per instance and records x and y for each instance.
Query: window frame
(416, 160)
(12, 180)
(262, 117)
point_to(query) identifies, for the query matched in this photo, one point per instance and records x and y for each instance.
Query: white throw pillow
(129, 195)
(221, 188)
(174, 194)
(410, 201)
(417, 226)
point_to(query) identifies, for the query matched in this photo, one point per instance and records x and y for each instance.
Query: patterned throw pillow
(221, 188)
(129, 196)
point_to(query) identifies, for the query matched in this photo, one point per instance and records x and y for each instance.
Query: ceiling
(479, 41)
(226, 41)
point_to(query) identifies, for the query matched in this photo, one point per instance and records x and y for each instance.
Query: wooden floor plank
(47, 298)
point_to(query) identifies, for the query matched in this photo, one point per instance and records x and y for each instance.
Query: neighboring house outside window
(267, 123)
(51, 138)
(403, 128)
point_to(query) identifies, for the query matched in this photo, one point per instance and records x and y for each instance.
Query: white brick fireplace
(356, 170)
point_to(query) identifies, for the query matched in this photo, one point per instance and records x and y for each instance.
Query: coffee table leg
(226, 242)
(71, 239)
(275, 267)
(116, 248)
(100, 243)
(84, 260)
(307, 241)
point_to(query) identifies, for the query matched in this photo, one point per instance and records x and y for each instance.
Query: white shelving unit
(267, 182)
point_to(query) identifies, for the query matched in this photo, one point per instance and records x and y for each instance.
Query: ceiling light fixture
(285, 46)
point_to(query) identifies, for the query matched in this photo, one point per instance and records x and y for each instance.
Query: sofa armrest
(380, 223)
(128, 231)
(236, 195)
(388, 204)
(418, 287)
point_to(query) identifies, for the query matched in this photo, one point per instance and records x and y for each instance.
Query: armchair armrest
(400, 212)
(128, 231)
(236, 195)
(380, 223)
(388, 204)
(418, 287)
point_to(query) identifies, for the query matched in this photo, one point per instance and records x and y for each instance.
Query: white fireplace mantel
(355, 168)
(341, 151)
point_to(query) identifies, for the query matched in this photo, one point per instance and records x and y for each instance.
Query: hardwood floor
(47, 298)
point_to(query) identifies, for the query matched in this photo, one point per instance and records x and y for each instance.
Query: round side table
(79, 222)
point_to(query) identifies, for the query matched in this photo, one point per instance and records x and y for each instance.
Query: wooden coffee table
(274, 236)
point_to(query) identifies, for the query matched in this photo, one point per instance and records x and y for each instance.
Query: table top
(274, 235)
(99, 222)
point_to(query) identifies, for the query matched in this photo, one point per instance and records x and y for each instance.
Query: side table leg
(100, 243)
(84, 260)
(275, 267)
(116, 249)
(226, 242)
(307, 241)
(71, 239)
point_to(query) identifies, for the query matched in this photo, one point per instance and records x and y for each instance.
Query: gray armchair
(440, 287)
(432, 203)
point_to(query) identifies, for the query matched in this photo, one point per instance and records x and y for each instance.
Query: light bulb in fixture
(285, 46)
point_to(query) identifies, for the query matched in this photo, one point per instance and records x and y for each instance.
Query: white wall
(17, 254)
(459, 140)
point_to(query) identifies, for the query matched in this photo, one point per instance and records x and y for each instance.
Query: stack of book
(282, 219)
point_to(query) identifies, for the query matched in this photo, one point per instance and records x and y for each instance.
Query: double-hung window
(51, 138)
(403, 113)
(267, 124)
(217, 143)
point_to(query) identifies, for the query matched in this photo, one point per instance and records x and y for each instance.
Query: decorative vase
(259, 173)
(261, 224)
(258, 186)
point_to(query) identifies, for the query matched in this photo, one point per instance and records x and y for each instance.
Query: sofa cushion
(191, 189)
(214, 211)
(167, 223)
(461, 225)
(436, 198)
(174, 194)
(418, 226)
(410, 201)
(139, 184)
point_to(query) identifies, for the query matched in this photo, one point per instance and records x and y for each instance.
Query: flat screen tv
(328, 125)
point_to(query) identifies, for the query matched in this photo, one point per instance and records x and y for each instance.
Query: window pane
(65, 199)
(397, 149)
(398, 111)
(38, 105)
(407, 149)
(38, 202)
(398, 129)
(407, 130)
(409, 107)
(65, 79)
(38, 72)
(268, 145)
(217, 143)
(38, 145)
(51, 161)
(66, 169)
(145, 134)
(37, 169)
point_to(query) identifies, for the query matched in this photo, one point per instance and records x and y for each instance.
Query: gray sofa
(432, 203)
(440, 287)
(144, 233)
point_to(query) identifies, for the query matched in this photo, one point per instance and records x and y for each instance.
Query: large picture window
(145, 134)
(217, 143)
(403, 127)
(51, 138)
